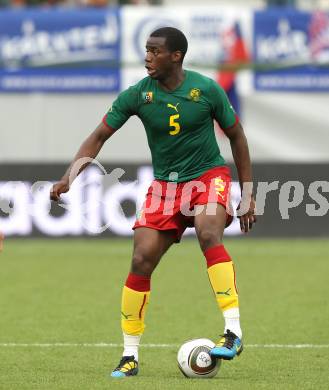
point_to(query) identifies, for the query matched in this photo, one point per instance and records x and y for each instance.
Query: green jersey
(179, 124)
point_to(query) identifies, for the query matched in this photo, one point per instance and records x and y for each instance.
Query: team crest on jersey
(147, 97)
(195, 94)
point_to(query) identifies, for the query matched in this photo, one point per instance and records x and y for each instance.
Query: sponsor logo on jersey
(147, 97)
(169, 105)
(195, 94)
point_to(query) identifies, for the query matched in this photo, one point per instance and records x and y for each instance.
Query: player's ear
(176, 56)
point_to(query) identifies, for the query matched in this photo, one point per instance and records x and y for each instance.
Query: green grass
(68, 291)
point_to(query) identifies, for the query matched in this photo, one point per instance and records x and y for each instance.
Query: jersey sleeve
(122, 109)
(222, 109)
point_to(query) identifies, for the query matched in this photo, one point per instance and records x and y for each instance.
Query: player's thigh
(151, 244)
(210, 224)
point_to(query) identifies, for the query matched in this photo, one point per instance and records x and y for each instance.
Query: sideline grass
(69, 291)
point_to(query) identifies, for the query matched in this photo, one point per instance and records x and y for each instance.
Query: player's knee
(141, 264)
(208, 239)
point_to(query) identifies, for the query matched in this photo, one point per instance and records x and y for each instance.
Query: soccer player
(177, 108)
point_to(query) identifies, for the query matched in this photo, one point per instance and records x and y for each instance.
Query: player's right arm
(89, 149)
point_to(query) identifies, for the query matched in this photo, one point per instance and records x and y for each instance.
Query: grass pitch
(68, 292)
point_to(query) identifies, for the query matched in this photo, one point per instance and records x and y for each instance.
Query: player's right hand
(57, 189)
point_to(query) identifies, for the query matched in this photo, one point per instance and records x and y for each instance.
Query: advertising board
(60, 50)
(292, 200)
(293, 48)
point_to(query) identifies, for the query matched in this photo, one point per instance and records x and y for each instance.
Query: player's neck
(172, 81)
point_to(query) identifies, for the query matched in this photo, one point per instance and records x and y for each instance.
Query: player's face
(158, 59)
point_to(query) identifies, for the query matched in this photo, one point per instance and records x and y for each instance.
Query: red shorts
(170, 206)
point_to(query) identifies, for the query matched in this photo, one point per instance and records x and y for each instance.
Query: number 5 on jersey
(174, 124)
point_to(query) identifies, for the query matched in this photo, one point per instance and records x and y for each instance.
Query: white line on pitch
(114, 345)
(287, 345)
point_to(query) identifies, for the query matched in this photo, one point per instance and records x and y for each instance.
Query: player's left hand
(249, 218)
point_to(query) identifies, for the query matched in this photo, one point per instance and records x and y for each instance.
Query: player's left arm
(241, 156)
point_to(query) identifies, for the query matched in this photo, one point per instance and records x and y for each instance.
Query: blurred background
(62, 63)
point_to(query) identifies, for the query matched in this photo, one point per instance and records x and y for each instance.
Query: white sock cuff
(131, 339)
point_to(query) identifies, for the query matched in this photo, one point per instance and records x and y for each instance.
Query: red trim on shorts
(141, 309)
(237, 120)
(216, 254)
(107, 125)
(138, 282)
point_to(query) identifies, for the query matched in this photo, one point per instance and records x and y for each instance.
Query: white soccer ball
(195, 361)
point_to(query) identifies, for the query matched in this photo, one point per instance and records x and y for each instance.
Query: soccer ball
(195, 361)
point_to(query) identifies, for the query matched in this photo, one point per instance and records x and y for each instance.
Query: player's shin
(135, 297)
(222, 278)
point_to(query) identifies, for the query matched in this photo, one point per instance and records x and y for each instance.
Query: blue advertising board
(60, 50)
(293, 49)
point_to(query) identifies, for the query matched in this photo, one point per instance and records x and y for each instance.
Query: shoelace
(123, 361)
(229, 339)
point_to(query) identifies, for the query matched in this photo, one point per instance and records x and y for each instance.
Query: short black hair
(175, 39)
